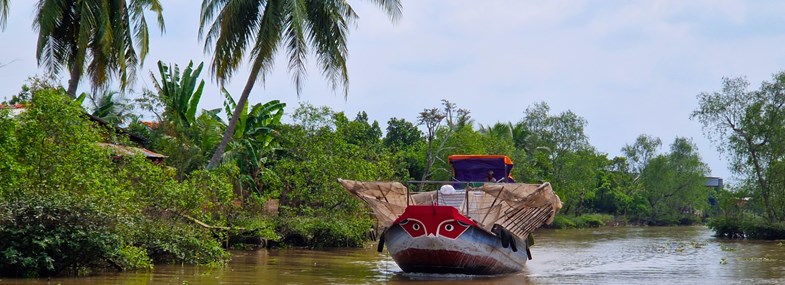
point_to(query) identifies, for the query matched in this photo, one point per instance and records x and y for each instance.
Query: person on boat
(490, 177)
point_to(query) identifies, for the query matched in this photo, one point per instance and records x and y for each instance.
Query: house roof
(129, 150)
(13, 106)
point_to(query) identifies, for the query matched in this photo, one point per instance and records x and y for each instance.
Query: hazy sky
(627, 67)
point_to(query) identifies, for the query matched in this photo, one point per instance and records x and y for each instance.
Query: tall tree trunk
(428, 163)
(762, 183)
(219, 152)
(73, 82)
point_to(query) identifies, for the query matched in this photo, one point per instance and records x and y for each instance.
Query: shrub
(562, 222)
(171, 242)
(43, 236)
(319, 232)
(593, 220)
(257, 226)
(132, 257)
(67, 206)
(726, 227)
(582, 221)
(747, 225)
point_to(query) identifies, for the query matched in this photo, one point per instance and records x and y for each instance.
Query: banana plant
(179, 93)
(259, 122)
(253, 138)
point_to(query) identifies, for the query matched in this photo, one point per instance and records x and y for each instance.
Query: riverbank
(606, 220)
(747, 226)
(609, 255)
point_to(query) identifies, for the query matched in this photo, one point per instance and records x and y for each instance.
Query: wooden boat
(468, 226)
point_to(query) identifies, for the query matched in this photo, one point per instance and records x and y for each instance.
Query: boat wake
(448, 276)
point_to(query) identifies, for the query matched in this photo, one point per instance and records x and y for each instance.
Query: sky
(627, 67)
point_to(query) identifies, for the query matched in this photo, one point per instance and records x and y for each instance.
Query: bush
(325, 231)
(726, 227)
(582, 221)
(44, 236)
(256, 226)
(68, 205)
(132, 257)
(593, 220)
(171, 242)
(562, 222)
(747, 226)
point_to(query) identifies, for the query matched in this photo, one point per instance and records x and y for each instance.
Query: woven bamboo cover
(519, 207)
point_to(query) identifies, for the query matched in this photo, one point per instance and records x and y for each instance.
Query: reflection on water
(648, 255)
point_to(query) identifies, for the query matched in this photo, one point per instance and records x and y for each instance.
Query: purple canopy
(477, 167)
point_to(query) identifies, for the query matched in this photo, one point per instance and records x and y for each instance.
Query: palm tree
(3, 13)
(110, 106)
(100, 37)
(498, 130)
(260, 27)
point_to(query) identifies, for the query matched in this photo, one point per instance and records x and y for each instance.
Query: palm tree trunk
(219, 152)
(73, 82)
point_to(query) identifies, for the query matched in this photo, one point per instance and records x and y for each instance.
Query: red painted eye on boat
(413, 227)
(451, 229)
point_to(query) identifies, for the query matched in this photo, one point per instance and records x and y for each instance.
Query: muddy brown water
(625, 255)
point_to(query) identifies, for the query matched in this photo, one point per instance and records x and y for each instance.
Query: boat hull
(475, 251)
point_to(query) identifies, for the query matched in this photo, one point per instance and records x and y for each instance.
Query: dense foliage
(278, 180)
(69, 202)
(749, 127)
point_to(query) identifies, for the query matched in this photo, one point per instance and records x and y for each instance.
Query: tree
(500, 130)
(405, 141)
(253, 139)
(70, 204)
(101, 38)
(314, 208)
(311, 118)
(259, 28)
(561, 133)
(639, 153)
(360, 131)
(432, 118)
(555, 145)
(3, 13)
(111, 107)
(576, 178)
(401, 133)
(749, 127)
(674, 184)
(614, 187)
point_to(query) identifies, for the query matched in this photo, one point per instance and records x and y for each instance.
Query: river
(623, 255)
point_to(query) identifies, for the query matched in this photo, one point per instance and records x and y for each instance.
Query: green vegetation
(274, 187)
(749, 127)
(271, 185)
(136, 213)
(258, 29)
(78, 194)
(102, 39)
(71, 191)
(583, 221)
(68, 203)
